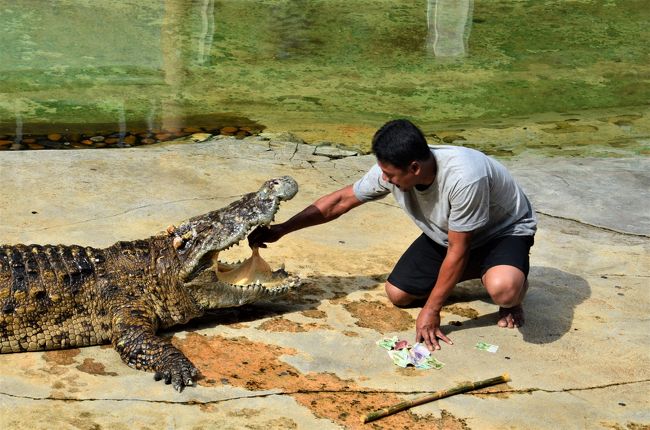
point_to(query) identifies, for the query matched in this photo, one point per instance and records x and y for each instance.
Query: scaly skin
(54, 297)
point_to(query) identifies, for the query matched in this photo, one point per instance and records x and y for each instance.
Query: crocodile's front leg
(134, 337)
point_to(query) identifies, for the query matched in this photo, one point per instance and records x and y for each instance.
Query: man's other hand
(427, 329)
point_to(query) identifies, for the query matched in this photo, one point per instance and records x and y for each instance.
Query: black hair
(400, 142)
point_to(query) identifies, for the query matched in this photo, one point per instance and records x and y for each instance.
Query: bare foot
(511, 317)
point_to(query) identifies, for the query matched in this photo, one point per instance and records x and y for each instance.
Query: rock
(192, 130)
(129, 140)
(228, 131)
(161, 137)
(284, 137)
(242, 134)
(86, 142)
(54, 137)
(6, 142)
(148, 141)
(97, 138)
(200, 137)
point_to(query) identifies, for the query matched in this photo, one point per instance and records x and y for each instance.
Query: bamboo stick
(461, 388)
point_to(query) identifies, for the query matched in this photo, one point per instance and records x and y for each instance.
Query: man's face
(404, 179)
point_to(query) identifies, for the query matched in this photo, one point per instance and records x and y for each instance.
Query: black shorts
(417, 270)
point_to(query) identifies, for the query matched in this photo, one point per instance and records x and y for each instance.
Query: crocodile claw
(179, 374)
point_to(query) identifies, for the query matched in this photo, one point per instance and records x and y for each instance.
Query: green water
(575, 74)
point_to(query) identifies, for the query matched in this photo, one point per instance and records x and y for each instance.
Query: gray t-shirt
(471, 192)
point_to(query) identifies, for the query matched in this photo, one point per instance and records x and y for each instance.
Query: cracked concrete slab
(309, 360)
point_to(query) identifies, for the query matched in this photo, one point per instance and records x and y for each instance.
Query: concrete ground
(310, 360)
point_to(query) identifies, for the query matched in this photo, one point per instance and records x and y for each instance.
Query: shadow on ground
(550, 303)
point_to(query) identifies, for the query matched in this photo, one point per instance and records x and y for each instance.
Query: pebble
(129, 140)
(97, 138)
(228, 131)
(85, 142)
(163, 136)
(54, 137)
(6, 142)
(148, 141)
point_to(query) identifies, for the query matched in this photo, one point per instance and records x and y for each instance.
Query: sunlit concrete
(579, 362)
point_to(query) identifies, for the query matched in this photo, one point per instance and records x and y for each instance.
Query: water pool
(570, 77)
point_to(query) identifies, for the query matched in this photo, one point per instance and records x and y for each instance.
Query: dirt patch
(379, 316)
(63, 357)
(350, 333)
(314, 313)
(280, 324)
(258, 367)
(461, 311)
(94, 368)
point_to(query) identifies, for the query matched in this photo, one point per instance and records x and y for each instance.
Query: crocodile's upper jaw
(199, 240)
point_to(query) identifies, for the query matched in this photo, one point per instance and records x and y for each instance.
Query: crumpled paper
(403, 354)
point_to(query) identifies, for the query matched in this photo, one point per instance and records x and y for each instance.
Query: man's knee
(398, 297)
(506, 285)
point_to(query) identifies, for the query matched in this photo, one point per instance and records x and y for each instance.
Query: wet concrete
(309, 360)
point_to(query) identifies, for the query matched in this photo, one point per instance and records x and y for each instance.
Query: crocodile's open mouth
(201, 241)
(220, 284)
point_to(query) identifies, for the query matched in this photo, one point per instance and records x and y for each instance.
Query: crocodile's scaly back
(46, 297)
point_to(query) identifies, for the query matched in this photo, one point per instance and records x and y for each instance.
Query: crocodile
(68, 296)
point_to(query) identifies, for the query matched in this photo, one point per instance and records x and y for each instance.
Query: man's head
(403, 154)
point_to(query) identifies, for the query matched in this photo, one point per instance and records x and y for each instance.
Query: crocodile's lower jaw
(252, 271)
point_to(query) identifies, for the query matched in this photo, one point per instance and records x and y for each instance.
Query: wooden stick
(462, 388)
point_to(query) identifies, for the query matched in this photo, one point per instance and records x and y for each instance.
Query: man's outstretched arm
(451, 272)
(325, 209)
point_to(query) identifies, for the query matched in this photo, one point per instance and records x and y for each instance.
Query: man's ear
(415, 167)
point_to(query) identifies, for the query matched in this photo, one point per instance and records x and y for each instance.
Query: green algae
(319, 64)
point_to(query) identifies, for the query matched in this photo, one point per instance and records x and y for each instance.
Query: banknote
(417, 355)
(484, 346)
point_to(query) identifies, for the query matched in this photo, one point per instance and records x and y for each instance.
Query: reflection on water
(449, 23)
(207, 32)
(327, 69)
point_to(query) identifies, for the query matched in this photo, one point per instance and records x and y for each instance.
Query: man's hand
(427, 328)
(262, 235)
